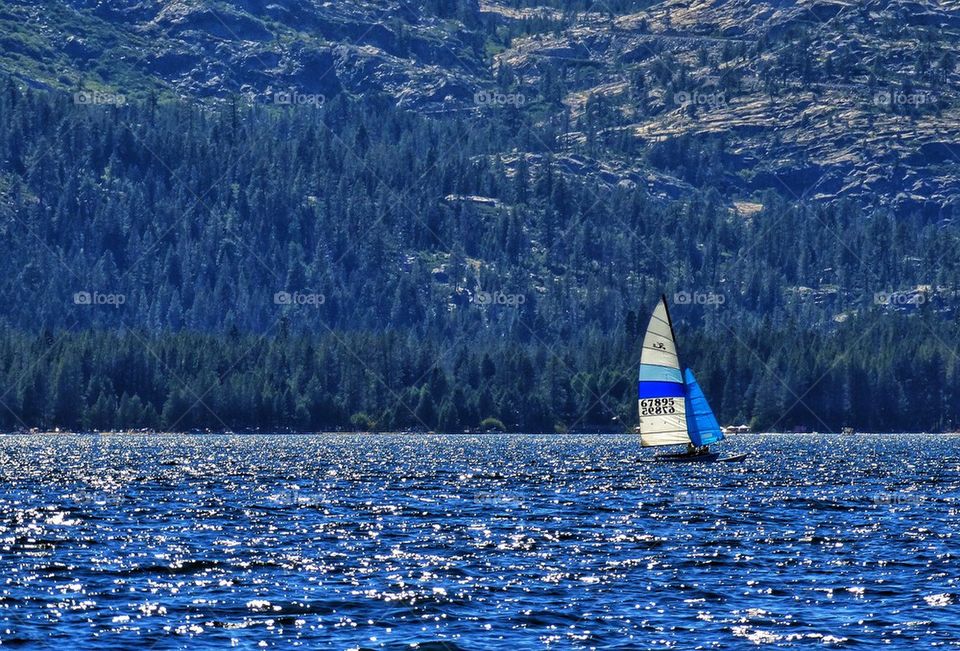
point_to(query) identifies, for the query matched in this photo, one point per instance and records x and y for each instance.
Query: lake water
(473, 542)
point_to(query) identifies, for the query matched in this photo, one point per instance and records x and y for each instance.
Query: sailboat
(673, 407)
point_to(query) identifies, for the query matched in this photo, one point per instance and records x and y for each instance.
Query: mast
(666, 306)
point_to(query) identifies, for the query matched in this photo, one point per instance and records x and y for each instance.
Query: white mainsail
(660, 389)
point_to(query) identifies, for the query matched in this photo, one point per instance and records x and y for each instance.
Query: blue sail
(702, 425)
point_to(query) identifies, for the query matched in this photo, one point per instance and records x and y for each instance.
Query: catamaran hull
(712, 457)
(688, 458)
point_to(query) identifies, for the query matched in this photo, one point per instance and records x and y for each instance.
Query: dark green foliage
(311, 269)
(892, 373)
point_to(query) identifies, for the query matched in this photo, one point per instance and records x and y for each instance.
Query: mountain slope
(811, 99)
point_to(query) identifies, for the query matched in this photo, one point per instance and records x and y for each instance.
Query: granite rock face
(816, 99)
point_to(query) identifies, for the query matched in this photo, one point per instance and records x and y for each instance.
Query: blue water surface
(475, 542)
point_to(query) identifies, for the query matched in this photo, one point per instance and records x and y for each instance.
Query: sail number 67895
(658, 406)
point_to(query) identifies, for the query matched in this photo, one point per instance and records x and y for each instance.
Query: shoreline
(282, 432)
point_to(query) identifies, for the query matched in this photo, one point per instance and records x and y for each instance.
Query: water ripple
(463, 542)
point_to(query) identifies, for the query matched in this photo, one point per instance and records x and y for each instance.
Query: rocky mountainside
(811, 99)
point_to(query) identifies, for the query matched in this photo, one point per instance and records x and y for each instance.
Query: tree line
(875, 372)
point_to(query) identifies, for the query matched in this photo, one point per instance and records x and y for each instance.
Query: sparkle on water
(468, 542)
